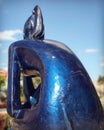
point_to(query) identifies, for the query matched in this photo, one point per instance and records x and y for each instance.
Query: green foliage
(2, 81)
(36, 81)
(100, 79)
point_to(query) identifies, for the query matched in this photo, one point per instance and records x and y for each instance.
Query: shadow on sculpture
(65, 99)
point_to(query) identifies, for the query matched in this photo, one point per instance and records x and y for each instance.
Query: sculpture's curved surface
(67, 100)
(34, 28)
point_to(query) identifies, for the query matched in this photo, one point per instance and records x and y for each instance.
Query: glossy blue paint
(66, 98)
(34, 27)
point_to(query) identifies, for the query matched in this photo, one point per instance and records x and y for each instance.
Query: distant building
(3, 73)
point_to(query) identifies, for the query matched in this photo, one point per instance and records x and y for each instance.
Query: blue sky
(76, 23)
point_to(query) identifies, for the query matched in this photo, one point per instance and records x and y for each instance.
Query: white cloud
(5, 51)
(102, 62)
(9, 34)
(91, 50)
(5, 68)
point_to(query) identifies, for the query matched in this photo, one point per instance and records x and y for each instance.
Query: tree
(100, 79)
(2, 81)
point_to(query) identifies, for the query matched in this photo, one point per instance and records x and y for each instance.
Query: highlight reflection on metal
(66, 97)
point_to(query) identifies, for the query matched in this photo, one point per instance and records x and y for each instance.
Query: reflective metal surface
(66, 98)
(34, 28)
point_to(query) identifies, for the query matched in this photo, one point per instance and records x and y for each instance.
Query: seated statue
(64, 99)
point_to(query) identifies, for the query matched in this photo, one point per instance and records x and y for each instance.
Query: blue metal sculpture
(34, 28)
(66, 98)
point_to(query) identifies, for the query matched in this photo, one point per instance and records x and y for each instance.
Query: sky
(77, 23)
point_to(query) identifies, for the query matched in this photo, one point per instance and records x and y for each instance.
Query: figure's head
(34, 27)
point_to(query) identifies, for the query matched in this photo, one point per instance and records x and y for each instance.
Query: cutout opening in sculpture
(30, 88)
